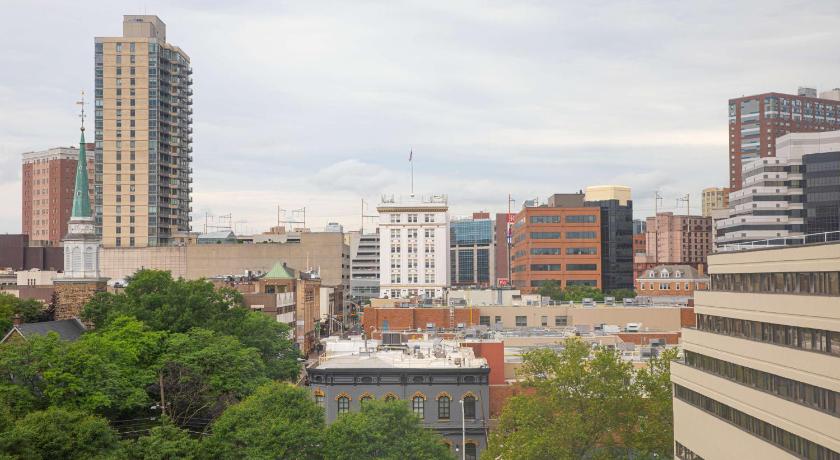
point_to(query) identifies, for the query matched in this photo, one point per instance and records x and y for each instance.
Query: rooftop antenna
(365, 216)
(411, 163)
(81, 102)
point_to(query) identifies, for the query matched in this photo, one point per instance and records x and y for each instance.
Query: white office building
(414, 250)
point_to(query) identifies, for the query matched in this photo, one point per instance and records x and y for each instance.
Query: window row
(805, 394)
(804, 338)
(569, 235)
(418, 404)
(783, 439)
(806, 283)
(412, 218)
(684, 453)
(558, 251)
(569, 267)
(578, 219)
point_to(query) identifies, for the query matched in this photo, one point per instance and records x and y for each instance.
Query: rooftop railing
(778, 242)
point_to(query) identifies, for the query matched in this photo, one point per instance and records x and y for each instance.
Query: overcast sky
(317, 103)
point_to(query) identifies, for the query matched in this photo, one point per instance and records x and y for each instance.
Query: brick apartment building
(500, 227)
(755, 122)
(559, 241)
(47, 182)
(676, 240)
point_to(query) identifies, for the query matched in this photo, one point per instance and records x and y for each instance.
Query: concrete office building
(557, 241)
(415, 246)
(431, 376)
(143, 136)
(47, 181)
(364, 265)
(714, 198)
(616, 234)
(472, 251)
(780, 196)
(761, 375)
(755, 122)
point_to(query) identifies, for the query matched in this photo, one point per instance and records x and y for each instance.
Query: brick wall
(401, 319)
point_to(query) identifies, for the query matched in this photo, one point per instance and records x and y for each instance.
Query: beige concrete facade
(320, 251)
(715, 198)
(621, 193)
(143, 136)
(651, 318)
(782, 351)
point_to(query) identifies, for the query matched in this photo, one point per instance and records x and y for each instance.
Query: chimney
(701, 270)
(17, 320)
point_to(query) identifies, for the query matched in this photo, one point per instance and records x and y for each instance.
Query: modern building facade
(472, 251)
(822, 192)
(143, 139)
(414, 259)
(755, 122)
(761, 374)
(47, 180)
(433, 377)
(559, 241)
(364, 266)
(715, 198)
(616, 234)
(780, 197)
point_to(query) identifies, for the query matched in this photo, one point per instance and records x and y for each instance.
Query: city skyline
(524, 99)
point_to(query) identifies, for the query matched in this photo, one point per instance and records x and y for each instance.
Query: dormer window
(651, 274)
(664, 274)
(677, 274)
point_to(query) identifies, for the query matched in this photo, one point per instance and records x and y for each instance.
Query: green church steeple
(81, 195)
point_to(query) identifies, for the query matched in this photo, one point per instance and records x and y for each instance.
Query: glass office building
(471, 245)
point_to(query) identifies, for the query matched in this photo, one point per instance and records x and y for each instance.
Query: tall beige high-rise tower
(143, 136)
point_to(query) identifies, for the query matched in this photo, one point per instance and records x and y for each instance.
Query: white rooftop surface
(421, 354)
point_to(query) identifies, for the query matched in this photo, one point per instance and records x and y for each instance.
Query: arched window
(77, 259)
(365, 398)
(470, 451)
(319, 397)
(469, 407)
(418, 405)
(443, 407)
(390, 397)
(343, 404)
(90, 257)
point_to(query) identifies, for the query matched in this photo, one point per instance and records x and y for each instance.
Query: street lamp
(463, 431)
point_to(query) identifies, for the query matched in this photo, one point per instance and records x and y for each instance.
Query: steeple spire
(81, 195)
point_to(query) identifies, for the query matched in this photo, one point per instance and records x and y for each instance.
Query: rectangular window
(428, 218)
(412, 218)
(561, 320)
(443, 407)
(580, 235)
(521, 321)
(545, 251)
(395, 218)
(545, 219)
(585, 219)
(545, 267)
(484, 320)
(581, 267)
(545, 235)
(498, 320)
(581, 251)
(543, 321)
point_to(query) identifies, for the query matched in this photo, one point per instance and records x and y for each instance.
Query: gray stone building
(432, 376)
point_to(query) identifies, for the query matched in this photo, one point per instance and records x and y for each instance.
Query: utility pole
(365, 216)
(687, 200)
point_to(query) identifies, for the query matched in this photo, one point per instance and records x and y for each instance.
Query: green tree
(621, 294)
(203, 372)
(577, 293)
(655, 430)
(22, 365)
(277, 421)
(165, 442)
(383, 430)
(106, 371)
(551, 289)
(583, 405)
(29, 310)
(167, 304)
(59, 433)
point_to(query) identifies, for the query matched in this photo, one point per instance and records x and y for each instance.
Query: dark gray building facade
(431, 393)
(822, 193)
(616, 243)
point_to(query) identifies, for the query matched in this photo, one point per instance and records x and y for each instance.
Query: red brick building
(500, 231)
(755, 122)
(411, 319)
(48, 180)
(639, 243)
(560, 242)
(671, 281)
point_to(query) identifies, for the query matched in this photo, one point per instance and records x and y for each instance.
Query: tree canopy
(577, 293)
(29, 310)
(586, 406)
(177, 305)
(383, 430)
(59, 433)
